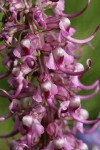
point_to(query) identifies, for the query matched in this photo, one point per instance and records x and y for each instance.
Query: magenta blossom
(44, 76)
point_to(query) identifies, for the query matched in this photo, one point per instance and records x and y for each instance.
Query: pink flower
(44, 76)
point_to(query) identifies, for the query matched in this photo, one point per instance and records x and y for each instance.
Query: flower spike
(39, 53)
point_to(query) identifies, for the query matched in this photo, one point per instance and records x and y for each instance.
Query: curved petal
(6, 116)
(10, 134)
(77, 73)
(18, 90)
(84, 121)
(81, 41)
(4, 75)
(78, 13)
(90, 95)
(89, 87)
(92, 129)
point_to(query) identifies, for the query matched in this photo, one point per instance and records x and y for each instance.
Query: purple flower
(44, 76)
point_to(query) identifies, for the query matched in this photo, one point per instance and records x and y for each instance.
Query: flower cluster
(40, 57)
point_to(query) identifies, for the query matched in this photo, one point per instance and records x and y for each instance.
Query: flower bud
(15, 62)
(59, 54)
(84, 146)
(84, 114)
(66, 23)
(46, 86)
(26, 43)
(79, 67)
(59, 143)
(27, 121)
(74, 103)
(25, 102)
(16, 71)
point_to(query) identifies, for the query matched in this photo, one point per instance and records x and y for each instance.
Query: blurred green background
(85, 25)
